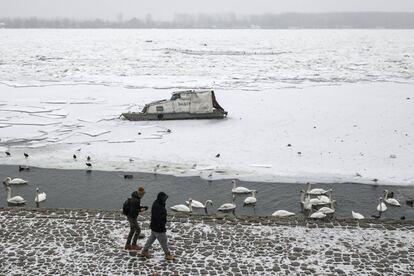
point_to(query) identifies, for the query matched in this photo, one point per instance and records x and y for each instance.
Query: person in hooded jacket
(158, 229)
(134, 209)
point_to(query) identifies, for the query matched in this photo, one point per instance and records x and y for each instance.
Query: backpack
(126, 207)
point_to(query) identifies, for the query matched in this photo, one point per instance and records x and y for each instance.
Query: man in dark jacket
(158, 230)
(134, 209)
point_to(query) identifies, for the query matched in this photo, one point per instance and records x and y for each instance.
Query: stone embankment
(90, 242)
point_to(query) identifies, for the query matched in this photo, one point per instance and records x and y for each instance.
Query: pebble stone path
(90, 242)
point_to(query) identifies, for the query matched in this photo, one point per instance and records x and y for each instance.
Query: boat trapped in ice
(189, 104)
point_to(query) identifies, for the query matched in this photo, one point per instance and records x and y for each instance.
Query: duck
(16, 200)
(317, 215)
(14, 181)
(181, 208)
(24, 168)
(282, 214)
(326, 210)
(239, 190)
(357, 216)
(251, 200)
(40, 196)
(391, 201)
(381, 207)
(198, 205)
(156, 168)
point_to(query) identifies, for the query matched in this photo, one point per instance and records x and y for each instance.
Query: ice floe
(340, 136)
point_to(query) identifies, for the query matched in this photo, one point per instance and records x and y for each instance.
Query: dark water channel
(108, 190)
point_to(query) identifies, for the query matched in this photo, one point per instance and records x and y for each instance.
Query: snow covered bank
(355, 132)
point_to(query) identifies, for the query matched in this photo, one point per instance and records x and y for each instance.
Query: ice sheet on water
(224, 52)
(95, 132)
(268, 59)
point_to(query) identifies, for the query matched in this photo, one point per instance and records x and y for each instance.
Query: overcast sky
(164, 9)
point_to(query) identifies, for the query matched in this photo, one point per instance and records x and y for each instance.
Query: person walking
(132, 207)
(158, 229)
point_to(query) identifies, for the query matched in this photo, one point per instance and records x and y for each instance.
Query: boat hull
(138, 116)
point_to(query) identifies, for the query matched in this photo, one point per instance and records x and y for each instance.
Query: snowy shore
(81, 242)
(350, 133)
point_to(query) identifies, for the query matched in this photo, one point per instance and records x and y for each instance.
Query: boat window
(185, 96)
(144, 110)
(160, 108)
(175, 96)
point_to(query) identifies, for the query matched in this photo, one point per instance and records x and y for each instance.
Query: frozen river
(328, 106)
(223, 59)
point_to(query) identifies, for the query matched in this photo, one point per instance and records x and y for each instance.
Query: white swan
(381, 207)
(316, 201)
(14, 181)
(16, 200)
(316, 191)
(317, 215)
(282, 213)
(227, 207)
(391, 201)
(305, 201)
(239, 190)
(40, 196)
(198, 205)
(251, 200)
(324, 199)
(181, 208)
(326, 210)
(356, 215)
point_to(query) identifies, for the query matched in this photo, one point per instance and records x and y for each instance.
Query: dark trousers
(134, 231)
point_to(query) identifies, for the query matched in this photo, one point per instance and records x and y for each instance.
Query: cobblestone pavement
(85, 242)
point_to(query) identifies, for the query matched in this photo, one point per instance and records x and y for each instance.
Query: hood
(162, 197)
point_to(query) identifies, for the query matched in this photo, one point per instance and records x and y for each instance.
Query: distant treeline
(362, 20)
